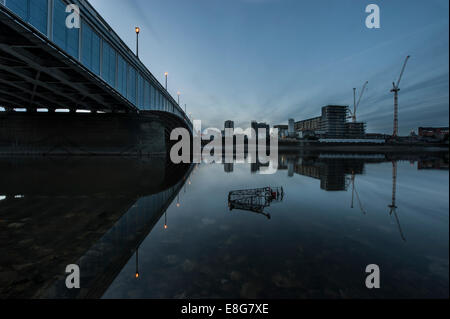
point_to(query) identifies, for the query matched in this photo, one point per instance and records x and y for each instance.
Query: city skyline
(217, 56)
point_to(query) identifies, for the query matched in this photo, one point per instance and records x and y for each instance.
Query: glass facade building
(98, 49)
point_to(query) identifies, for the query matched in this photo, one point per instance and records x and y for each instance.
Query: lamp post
(137, 29)
(178, 94)
(166, 75)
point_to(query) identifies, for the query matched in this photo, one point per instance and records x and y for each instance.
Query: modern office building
(313, 124)
(355, 130)
(334, 119)
(332, 124)
(437, 132)
(291, 128)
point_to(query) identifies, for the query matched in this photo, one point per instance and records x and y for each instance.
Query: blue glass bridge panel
(131, 89)
(140, 89)
(121, 75)
(20, 7)
(90, 43)
(98, 49)
(109, 57)
(34, 12)
(67, 39)
(38, 13)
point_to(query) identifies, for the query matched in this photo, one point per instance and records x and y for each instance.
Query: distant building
(433, 132)
(229, 124)
(259, 126)
(355, 130)
(332, 124)
(291, 128)
(334, 119)
(377, 136)
(254, 127)
(282, 130)
(228, 167)
(314, 124)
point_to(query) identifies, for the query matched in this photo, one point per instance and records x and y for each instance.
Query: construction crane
(356, 105)
(355, 193)
(393, 207)
(395, 90)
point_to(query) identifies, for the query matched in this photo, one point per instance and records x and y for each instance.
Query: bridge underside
(35, 74)
(146, 133)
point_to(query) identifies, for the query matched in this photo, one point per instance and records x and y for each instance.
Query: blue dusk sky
(271, 60)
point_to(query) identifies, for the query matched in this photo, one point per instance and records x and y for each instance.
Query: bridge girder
(34, 67)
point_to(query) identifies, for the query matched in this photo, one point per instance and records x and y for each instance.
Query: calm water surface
(316, 244)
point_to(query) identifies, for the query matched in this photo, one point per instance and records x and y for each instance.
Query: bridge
(46, 67)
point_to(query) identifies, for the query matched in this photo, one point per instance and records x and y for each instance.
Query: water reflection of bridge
(92, 212)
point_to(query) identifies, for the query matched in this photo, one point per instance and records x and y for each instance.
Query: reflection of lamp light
(165, 220)
(137, 263)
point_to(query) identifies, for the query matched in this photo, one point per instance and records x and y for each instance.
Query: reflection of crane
(395, 90)
(393, 207)
(255, 200)
(355, 194)
(355, 104)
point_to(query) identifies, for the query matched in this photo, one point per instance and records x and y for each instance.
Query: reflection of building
(437, 163)
(228, 167)
(331, 172)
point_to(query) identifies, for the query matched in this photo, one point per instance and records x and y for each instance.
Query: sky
(271, 60)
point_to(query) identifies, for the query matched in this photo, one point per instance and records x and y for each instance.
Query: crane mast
(395, 90)
(356, 104)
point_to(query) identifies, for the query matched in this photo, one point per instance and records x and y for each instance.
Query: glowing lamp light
(138, 30)
(137, 275)
(178, 205)
(165, 227)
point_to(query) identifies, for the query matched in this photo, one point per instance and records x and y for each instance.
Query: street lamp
(166, 75)
(137, 29)
(178, 93)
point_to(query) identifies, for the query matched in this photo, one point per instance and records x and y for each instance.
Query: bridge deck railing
(97, 47)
